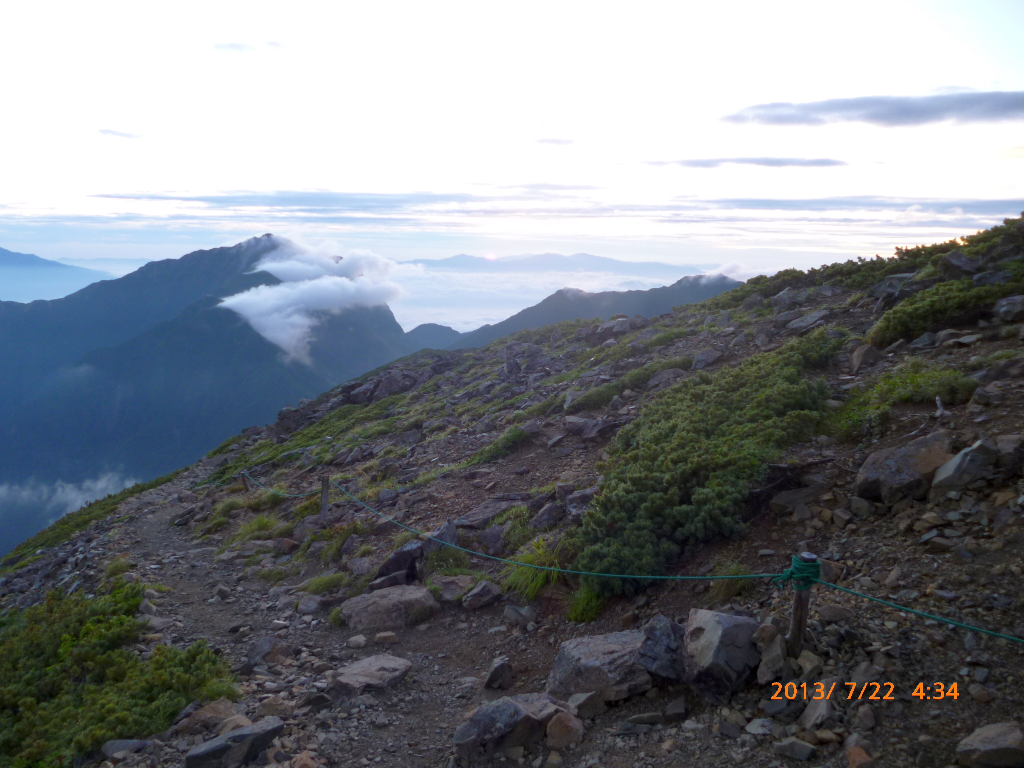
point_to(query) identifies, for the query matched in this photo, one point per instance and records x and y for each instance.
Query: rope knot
(803, 575)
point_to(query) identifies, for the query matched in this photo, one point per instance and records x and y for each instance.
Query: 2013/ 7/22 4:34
(870, 691)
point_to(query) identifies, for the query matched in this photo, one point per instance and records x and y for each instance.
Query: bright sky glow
(133, 131)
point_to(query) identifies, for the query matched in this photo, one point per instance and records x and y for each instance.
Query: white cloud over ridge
(316, 283)
(51, 502)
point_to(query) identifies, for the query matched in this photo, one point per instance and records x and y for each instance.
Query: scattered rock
(236, 748)
(391, 608)
(970, 464)
(904, 471)
(373, 673)
(864, 356)
(500, 675)
(794, 748)
(608, 664)
(451, 588)
(511, 721)
(484, 593)
(720, 653)
(661, 652)
(564, 729)
(587, 705)
(1000, 745)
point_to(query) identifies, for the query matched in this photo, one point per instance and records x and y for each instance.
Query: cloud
(971, 107)
(769, 162)
(26, 508)
(557, 142)
(235, 47)
(316, 284)
(118, 134)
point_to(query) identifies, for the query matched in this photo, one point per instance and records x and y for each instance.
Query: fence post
(245, 482)
(798, 619)
(325, 493)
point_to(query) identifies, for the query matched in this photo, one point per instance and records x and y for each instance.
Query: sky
(750, 137)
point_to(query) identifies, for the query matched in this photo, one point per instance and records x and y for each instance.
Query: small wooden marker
(798, 619)
(245, 483)
(325, 493)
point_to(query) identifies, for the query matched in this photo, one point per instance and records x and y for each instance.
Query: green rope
(921, 613)
(803, 575)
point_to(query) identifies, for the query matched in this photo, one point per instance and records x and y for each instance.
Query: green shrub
(586, 605)
(447, 562)
(510, 440)
(259, 527)
(598, 397)
(227, 506)
(942, 305)
(116, 567)
(681, 471)
(214, 524)
(724, 590)
(517, 532)
(335, 619)
(866, 411)
(309, 507)
(329, 582)
(402, 538)
(69, 682)
(274, 575)
(364, 550)
(529, 582)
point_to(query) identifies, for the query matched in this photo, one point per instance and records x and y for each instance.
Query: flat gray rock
(390, 608)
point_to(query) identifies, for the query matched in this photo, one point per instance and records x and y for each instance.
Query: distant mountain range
(556, 262)
(572, 304)
(24, 277)
(138, 375)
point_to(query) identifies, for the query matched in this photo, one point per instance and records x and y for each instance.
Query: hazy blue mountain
(432, 336)
(24, 277)
(556, 262)
(573, 304)
(142, 374)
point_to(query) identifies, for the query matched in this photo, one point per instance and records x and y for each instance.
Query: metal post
(325, 493)
(798, 619)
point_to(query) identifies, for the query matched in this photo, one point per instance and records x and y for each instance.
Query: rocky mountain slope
(869, 413)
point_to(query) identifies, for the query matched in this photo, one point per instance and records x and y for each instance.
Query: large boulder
(393, 383)
(391, 608)
(720, 653)
(374, 673)
(666, 377)
(237, 747)
(1010, 309)
(970, 464)
(609, 664)
(661, 653)
(956, 265)
(905, 471)
(511, 721)
(1000, 745)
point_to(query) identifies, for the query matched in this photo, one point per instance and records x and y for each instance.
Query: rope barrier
(801, 574)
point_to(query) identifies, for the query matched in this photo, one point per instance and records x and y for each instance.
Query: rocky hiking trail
(354, 644)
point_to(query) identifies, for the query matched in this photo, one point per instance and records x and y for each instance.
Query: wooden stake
(325, 493)
(798, 619)
(245, 483)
